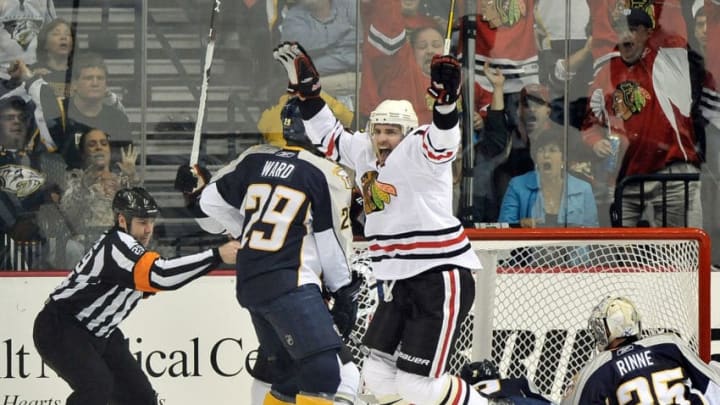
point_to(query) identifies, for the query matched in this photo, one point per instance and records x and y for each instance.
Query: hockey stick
(195, 152)
(448, 32)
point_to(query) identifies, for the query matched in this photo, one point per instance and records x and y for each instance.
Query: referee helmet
(135, 202)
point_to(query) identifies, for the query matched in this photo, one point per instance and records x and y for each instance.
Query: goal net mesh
(531, 313)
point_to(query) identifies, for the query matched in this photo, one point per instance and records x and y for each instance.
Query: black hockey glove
(478, 371)
(304, 79)
(345, 305)
(445, 77)
(189, 180)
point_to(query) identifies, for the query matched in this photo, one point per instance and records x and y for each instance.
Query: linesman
(77, 332)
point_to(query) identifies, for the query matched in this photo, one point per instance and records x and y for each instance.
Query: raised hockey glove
(345, 305)
(445, 77)
(303, 77)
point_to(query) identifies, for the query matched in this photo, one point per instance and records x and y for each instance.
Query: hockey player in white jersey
(658, 369)
(417, 247)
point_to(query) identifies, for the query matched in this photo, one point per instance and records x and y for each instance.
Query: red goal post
(530, 313)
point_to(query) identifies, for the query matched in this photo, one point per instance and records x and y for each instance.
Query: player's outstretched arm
(303, 77)
(152, 273)
(323, 128)
(445, 81)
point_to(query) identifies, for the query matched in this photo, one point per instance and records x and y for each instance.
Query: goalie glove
(445, 77)
(303, 77)
(345, 305)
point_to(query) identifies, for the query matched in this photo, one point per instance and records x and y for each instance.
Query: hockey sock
(446, 390)
(349, 383)
(379, 373)
(258, 391)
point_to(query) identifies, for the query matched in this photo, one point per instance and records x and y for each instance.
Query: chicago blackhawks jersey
(655, 370)
(506, 39)
(290, 209)
(605, 15)
(648, 104)
(408, 201)
(710, 101)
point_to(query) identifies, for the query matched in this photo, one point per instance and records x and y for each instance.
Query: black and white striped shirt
(116, 273)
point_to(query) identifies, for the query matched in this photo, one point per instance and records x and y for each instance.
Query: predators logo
(376, 194)
(23, 32)
(628, 99)
(20, 180)
(499, 13)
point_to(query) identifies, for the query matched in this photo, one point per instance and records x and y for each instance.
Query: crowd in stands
(563, 117)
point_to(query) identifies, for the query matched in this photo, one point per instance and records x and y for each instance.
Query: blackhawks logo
(628, 99)
(499, 13)
(376, 193)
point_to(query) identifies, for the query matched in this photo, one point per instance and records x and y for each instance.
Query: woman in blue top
(538, 198)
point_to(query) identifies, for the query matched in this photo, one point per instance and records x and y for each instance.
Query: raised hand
(445, 77)
(19, 71)
(127, 162)
(303, 77)
(494, 75)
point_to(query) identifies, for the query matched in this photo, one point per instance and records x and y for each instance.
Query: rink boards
(193, 343)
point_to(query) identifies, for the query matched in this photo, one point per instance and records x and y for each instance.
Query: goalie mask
(613, 318)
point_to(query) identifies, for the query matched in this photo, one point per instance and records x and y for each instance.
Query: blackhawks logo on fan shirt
(499, 13)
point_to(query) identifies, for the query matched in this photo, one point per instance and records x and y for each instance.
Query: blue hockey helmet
(292, 124)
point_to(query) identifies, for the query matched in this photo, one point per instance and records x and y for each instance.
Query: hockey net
(530, 314)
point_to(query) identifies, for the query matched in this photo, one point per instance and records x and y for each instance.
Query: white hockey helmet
(614, 317)
(394, 112)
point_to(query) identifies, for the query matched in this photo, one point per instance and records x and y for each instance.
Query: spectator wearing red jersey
(392, 24)
(644, 98)
(666, 18)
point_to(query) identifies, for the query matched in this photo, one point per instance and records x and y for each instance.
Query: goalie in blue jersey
(630, 369)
